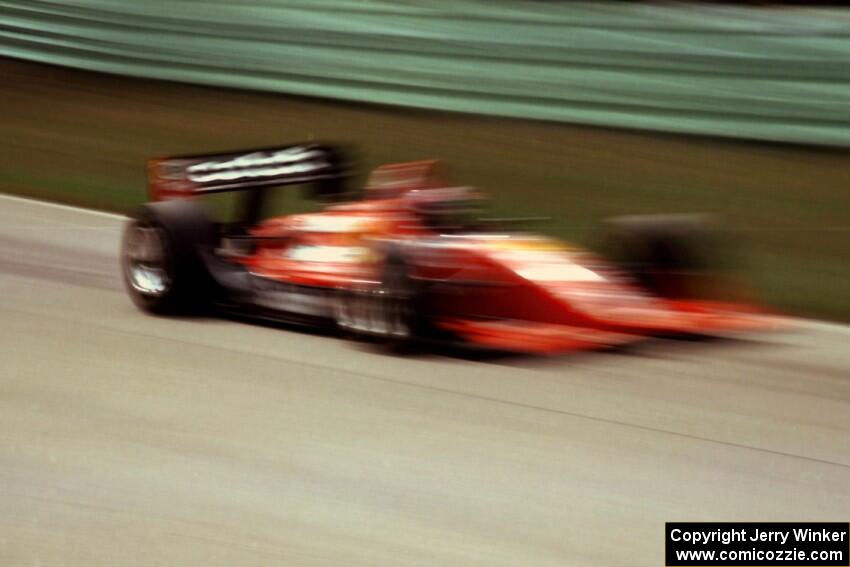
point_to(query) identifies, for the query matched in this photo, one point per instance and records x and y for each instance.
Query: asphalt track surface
(127, 439)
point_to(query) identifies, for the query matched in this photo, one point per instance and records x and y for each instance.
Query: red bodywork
(509, 291)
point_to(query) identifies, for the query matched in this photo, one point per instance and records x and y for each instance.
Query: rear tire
(161, 257)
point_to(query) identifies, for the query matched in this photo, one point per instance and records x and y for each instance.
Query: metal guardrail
(780, 74)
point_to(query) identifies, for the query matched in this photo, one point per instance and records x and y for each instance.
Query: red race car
(410, 260)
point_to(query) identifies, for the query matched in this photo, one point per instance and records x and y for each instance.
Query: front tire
(673, 256)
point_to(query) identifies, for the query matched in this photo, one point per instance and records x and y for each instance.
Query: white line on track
(48, 204)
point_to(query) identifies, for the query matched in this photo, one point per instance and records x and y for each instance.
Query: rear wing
(177, 177)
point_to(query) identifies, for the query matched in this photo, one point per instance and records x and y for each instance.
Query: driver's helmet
(394, 180)
(447, 208)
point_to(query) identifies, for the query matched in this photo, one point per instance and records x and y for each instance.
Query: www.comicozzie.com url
(780, 555)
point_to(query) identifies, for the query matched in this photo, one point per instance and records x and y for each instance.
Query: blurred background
(573, 110)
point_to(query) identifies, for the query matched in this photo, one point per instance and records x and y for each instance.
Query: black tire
(673, 256)
(161, 257)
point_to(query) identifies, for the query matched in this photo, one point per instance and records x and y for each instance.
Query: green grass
(83, 138)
